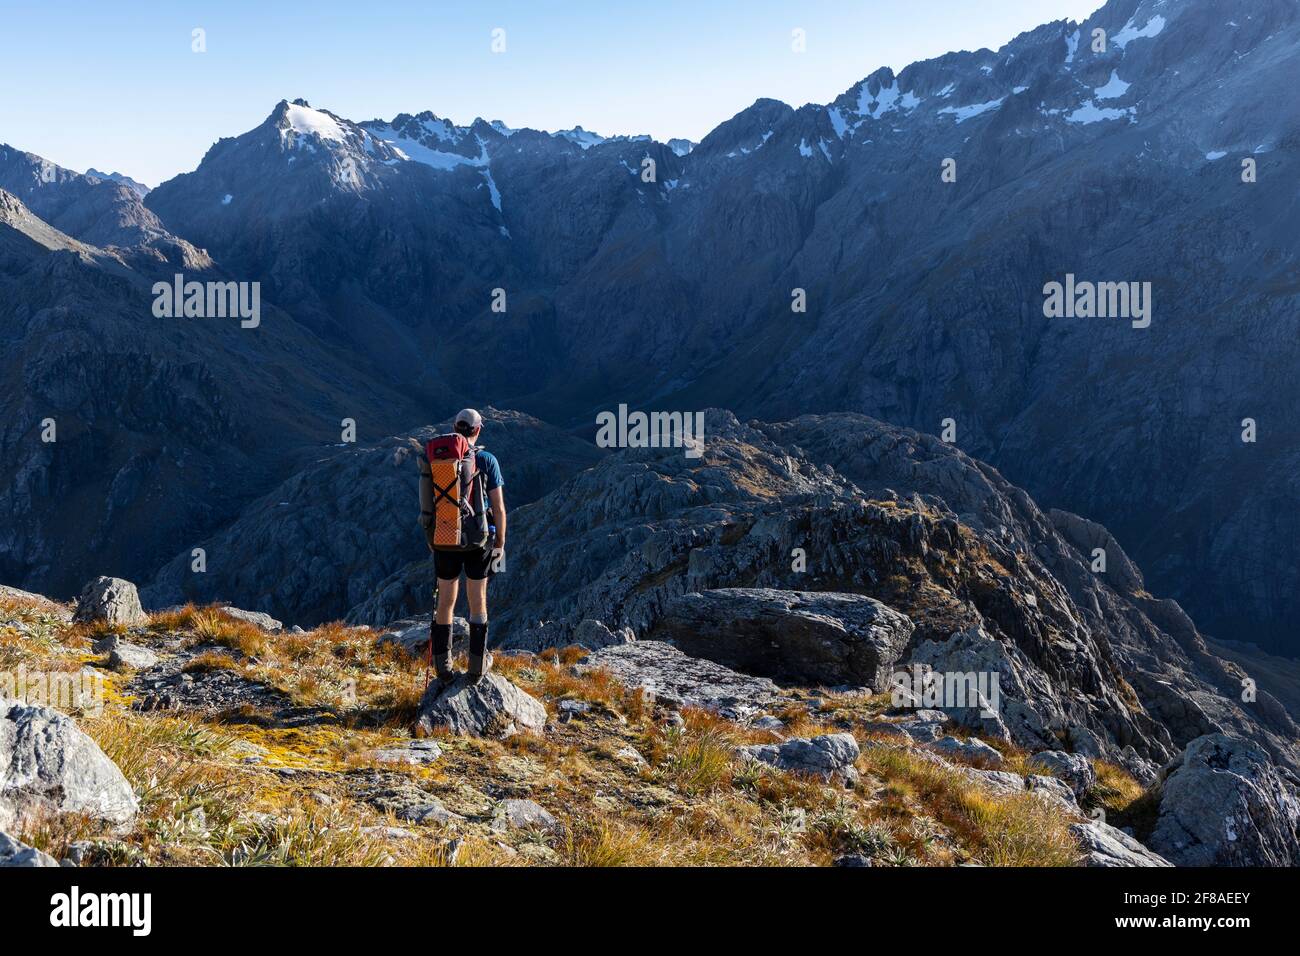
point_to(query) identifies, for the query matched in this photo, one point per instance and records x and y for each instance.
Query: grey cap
(470, 417)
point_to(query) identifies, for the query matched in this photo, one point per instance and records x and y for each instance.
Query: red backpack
(459, 505)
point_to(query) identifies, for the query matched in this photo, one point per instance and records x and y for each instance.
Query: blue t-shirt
(487, 463)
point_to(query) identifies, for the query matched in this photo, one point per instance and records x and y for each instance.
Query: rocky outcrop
(803, 637)
(829, 756)
(677, 680)
(112, 601)
(1105, 846)
(969, 750)
(595, 635)
(493, 707)
(1224, 803)
(14, 853)
(841, 504)
(1074, 769)
(524, 815)
(48, 765)
(257, 618)
(131, 657)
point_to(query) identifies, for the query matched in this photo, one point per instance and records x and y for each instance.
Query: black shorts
(447, 565)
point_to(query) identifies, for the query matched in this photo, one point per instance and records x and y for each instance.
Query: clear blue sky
(114, 84)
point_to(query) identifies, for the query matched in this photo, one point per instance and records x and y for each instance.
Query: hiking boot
(440, 648)
(480, 661)
(478, 666)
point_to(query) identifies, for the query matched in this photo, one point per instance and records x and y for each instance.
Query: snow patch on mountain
(888, 98)
(1130, 32)
(964, 113)
(1090, 112)
(1071, 47)
(308, 122)
(1114, 87)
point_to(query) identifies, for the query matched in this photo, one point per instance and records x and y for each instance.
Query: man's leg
(440, 629)
(476, 592)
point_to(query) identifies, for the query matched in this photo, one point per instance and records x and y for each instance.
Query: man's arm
(499, 516)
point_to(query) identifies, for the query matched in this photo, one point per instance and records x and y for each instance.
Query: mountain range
(919, 217)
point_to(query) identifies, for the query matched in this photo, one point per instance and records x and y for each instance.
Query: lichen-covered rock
(112, 601)
(524, 815)
(415, 753)
(493, 707)
(829, 756)
(1223, 803)
(810, 637)
(48, 765)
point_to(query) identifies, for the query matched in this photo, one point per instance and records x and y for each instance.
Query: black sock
(477, 638)
(440, 634)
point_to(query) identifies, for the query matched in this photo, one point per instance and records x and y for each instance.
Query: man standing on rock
(477, 563)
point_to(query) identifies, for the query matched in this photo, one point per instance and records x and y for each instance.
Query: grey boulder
(48, 765)
(416, 753)
(679, 680)
(258, 618)
(493, 707)
(812, 637)
(112, 601)
(1075, 769)
(829, 756)
(131, 657)
(412, 634)
(1223, 803)
(14, 853)
(595, 635)
(971, 749)
(524, 815)
(1105, 846)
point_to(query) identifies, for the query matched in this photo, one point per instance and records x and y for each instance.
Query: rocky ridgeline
(1222, 800)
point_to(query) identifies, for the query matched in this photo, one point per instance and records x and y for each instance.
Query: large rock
(1223, 803)
(493, 707)
(112, 601)
(1075, 769)
(678, 680)
(1105, 846)
(800, 636)
(412, 634)
(124, 656)
(969, 749)
(14, 853)
(256, 618)
(595, 635)
(829, 756)
(48, 765)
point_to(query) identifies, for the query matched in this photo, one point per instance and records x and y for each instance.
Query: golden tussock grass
(997, 830)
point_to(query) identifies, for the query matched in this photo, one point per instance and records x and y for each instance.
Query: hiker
(463, 513)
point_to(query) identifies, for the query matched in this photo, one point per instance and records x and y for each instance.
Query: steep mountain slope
(844, 504)
(125, 437)
(95, 209)
(925, 297)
